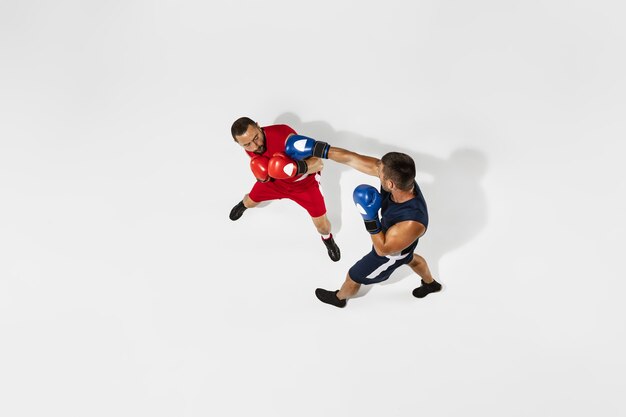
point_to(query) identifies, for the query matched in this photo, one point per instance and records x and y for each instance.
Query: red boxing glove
(282, 167)
(258, 165)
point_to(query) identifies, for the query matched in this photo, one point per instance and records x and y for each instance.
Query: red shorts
(308, 195)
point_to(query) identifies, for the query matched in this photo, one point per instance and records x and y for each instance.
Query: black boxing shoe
(425, 289)
(329, 297)
(237, 211)
(333, 250)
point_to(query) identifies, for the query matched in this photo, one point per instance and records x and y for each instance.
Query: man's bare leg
(420, 267)
(322, 224)
(348, 289)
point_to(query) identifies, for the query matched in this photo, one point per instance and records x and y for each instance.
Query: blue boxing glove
(368, 201)
(300, 147)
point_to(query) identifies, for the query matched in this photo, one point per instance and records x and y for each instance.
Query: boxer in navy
(395, 234)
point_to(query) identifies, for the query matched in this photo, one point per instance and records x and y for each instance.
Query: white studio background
(125, 289)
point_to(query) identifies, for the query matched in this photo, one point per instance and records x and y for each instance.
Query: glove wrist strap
(320, 150)
(372, 226)
(303, 167)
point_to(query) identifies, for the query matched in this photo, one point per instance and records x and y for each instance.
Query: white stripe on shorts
(392, 260)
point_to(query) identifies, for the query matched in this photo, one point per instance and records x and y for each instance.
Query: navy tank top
(413, 209)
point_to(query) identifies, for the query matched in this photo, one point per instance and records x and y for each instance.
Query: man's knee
(416, 261)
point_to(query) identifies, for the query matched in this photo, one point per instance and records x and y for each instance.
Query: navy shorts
(373, 268)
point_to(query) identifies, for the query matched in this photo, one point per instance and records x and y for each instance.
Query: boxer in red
(278, 176)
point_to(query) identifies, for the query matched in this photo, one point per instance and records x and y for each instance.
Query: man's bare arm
(366, 164)
(314, 165)
(397, 237)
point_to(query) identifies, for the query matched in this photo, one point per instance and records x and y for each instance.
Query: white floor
(125, 290)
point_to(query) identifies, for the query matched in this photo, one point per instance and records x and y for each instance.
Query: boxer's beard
(260, 150)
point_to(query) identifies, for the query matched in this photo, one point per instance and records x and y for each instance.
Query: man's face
(381, 176)
(253, 139)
